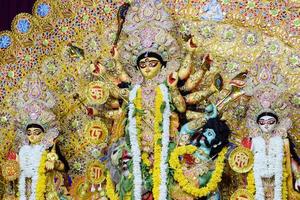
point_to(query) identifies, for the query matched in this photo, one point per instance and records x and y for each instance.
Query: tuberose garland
(183, 181)
(268, 165)
(135, 149)
(251, 182)
(161, 143)
(31, 166)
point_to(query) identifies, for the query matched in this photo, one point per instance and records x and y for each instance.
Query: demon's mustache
(204, 139)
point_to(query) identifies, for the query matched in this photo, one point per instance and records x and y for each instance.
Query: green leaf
(172, 107)
(159, 142)
(140, 111)
(162, 107)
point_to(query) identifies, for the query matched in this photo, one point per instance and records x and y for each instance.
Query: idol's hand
(115, 53)
(190, 45)
(172, 80)
(97, 69)
(211, 112)
(50, 165)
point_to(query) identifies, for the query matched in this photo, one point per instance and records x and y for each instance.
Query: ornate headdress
(147, 27)
(271, 99)
(33, 103)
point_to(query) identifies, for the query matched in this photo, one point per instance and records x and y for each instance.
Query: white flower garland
(165, 144)
(135, 149)
(266, 166)
(136, 152)
(30, 157)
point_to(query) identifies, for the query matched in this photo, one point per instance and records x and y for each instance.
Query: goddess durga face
(150, 64)
(35, 133)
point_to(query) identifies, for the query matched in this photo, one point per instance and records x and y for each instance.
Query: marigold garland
(139, 106)
(138, 117)
(284, 181)
(41, 183)
(182, 180)
(157, 145)
(145, 159)
(112, 195)
(251, 182)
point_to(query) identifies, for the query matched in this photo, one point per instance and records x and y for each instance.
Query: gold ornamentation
(79, 189)
(95, 172)
(241, 194)
(96, 132)
(10, 170)
(241, 160)
(97, 92)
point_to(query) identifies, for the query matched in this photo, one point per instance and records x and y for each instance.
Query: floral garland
(165, 143)
(145, 158)
(135, 149)
(157, 147)
(161, 150)
(112, 195)
(268, 165)
(251, 182)
(284, 181)
(138, 105)
(32, 167)
(138, 117)
(183, 181)
(41, 183)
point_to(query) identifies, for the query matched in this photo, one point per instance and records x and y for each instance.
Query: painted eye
(37, 133)
(153, 63)
(142, 65)
(272, 122)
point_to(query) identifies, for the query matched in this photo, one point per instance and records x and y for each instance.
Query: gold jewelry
(241, 160)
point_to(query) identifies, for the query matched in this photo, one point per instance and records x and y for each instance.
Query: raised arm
(186, 66)
(175, 94)
(195, 79)
(123, 76)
